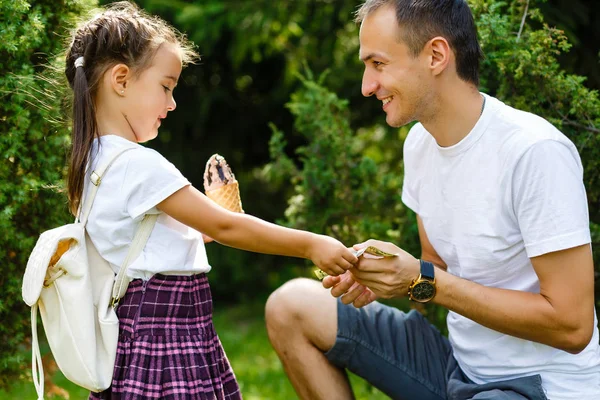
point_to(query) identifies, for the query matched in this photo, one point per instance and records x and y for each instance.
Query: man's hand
(352, 292)
(386, 277)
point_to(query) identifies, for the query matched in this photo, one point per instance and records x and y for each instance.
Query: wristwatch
(422, 289)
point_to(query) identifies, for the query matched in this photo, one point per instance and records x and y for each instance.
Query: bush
(33, 148)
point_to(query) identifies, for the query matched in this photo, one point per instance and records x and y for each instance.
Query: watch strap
(427, 270)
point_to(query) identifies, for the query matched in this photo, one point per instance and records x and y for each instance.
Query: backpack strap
(139, 240)
(96, 178)
(137, 245)
(37, 369)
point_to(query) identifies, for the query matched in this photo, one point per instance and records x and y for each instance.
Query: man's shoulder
(511, 119)
(516, 130)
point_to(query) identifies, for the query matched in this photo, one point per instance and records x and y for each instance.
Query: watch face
(423, 291)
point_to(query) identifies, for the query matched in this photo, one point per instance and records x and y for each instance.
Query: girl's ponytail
(82, 135)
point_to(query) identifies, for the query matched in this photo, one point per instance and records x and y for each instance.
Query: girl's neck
(113, 122)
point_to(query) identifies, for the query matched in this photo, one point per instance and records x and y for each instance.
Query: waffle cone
(227, 196)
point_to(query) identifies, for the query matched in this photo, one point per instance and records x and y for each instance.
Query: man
(504, 230)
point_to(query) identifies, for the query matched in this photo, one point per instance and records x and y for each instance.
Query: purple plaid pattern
(168, 348)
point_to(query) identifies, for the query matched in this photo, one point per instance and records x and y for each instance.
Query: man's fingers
(330, 281)
(359, 246)
(343, 286)
(355, 291)
(365, 298)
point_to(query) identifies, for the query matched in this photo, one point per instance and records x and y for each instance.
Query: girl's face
(149, 97)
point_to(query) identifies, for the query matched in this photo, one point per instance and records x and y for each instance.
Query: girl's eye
(167, 89)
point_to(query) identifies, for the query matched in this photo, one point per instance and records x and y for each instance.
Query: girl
(123, 66)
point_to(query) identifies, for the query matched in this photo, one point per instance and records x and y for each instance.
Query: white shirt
(137, 181)
(512, 189)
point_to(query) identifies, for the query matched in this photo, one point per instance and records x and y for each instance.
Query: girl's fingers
(338, 270)
(346, 265)
(350, 257)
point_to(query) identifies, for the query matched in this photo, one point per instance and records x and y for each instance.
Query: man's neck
(454, 114)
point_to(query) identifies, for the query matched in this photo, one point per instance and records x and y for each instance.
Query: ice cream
(220, 184)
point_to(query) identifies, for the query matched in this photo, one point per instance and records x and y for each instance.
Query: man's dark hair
(422, 20)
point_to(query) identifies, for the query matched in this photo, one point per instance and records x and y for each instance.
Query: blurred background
(277, 93)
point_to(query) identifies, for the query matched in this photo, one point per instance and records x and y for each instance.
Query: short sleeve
(549, 198)
(149, 179)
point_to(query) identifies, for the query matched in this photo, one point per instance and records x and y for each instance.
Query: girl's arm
(192, 208)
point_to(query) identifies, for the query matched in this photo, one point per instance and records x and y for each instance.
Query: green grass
(244, 337)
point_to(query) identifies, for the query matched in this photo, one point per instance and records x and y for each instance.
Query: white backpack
(76, 291)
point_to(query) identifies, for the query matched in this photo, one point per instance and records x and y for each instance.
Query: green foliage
(32, 151)
(251, 53)
(338, 190)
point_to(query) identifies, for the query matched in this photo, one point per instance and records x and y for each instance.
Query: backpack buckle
(114, 303)
(95, 178)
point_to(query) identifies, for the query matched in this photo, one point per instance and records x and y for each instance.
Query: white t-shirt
(137, 181)
(510, 190)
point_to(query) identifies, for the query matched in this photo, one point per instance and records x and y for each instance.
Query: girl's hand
(351, 291)
(330, 255)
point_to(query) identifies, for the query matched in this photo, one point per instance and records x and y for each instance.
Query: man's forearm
(525, 315)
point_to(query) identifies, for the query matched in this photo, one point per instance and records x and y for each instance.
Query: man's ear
(439, 54)
(120, 75)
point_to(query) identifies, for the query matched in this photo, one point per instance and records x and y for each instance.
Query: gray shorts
(407, 358)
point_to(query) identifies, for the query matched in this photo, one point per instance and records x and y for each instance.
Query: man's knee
(302, 306)
(285, 305)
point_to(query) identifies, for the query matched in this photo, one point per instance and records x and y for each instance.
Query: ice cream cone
(220, 184)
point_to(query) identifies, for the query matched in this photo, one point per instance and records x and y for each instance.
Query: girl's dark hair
(121, 34)
(421, 20)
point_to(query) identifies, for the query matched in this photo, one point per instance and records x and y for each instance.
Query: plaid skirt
(168, 348)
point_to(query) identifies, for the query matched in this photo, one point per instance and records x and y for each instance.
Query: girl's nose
(172, 105)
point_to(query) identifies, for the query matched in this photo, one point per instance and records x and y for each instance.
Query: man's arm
(561, 315)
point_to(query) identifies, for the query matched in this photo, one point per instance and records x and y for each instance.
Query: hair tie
(79, 62)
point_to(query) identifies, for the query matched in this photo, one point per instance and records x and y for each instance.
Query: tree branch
(581, 126)
(523, 20)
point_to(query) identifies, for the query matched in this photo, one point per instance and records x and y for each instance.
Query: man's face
(399, 80)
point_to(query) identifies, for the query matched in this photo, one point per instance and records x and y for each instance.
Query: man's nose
(369, 85)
